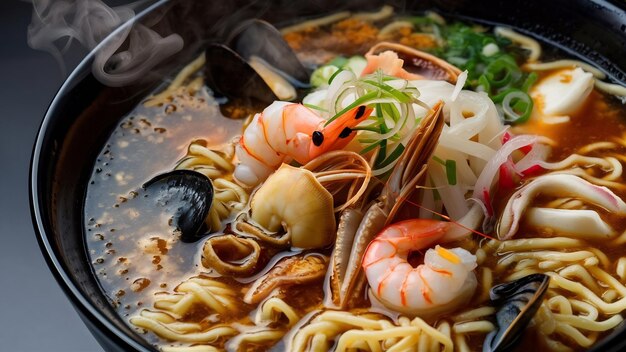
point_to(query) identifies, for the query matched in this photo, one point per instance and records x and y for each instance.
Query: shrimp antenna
(447, 218)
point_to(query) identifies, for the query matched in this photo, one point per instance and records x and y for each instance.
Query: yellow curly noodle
(229, 197)
(374, 332)
(584, 164)
(170, 309)
(585, 295)
(271, 321)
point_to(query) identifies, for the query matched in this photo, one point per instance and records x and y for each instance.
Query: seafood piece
(295, 205)
(407, 63)
(187, 195)
(580, 223)
(560, 185)
(354, 235)
(286, 131)
(258, 38)
(518, 302)
(295, 270)
(443, 282)
(256, 63)
(292, 199)
(231, 255)
(563, 92)
(230, 75)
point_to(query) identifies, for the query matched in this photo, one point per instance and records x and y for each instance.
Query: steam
(56, 24)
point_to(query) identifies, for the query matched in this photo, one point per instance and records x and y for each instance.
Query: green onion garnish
(330, 80)
(451, 171)
(314, 107)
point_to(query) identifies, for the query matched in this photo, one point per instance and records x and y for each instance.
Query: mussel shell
(230, 75)
(259, 38)
(186, 195)
(517, 301)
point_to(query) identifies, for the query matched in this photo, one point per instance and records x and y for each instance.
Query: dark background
(34, 313)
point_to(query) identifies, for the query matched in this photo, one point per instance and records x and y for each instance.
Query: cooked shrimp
(443, 282)
(286, 131)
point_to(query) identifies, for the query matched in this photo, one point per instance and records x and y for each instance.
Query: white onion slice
(489, 173)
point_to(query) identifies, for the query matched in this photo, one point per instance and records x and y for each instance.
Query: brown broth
(135, 256)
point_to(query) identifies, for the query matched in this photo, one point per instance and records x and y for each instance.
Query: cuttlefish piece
(407, 63)
(354, 235)
(231, 255)
(295, 270)
(560, 185)
(578, 223)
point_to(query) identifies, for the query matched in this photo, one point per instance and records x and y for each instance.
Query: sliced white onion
(460, 83)
(489, 173)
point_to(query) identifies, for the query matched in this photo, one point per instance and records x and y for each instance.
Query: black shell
(517, 302)
(227, 70)
(259, 38)
(186, 195)
(230, 75)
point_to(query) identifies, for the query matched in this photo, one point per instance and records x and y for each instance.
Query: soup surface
(325, 252)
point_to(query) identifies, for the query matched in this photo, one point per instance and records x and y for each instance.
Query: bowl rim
(43, 227)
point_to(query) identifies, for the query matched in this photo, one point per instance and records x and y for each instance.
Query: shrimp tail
(338, 133)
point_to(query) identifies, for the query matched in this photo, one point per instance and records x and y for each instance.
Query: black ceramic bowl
(84, 112)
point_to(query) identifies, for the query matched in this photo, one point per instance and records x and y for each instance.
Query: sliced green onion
(501, 72)
(530, 80)
(514, 102)
(366, 128)
(330, 80)
(483, 82)
(371, 147)
(360, 101)
(396, 94)
(395, 154)
(382, 153)
(315, 107)
(451, 171)
(439, 160)
(392, 112)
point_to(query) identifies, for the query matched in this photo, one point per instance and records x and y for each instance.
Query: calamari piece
(292, 200)
(563, 92)
(231, 255)
(578, 223)
(295, 270)
(559, 185)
